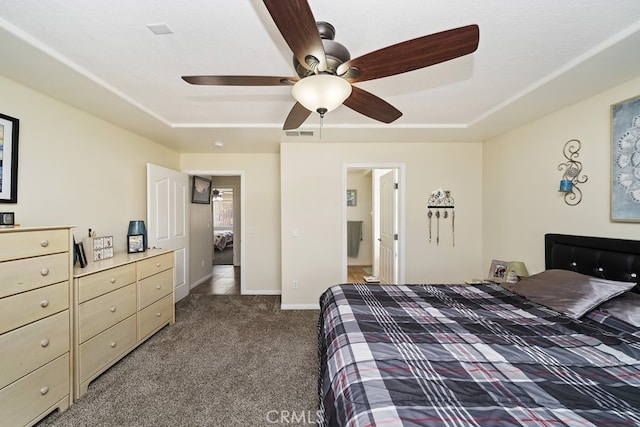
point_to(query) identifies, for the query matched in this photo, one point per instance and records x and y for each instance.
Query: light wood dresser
(119, 303)
(35, 323)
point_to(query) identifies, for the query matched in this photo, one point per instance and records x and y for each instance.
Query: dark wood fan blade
(414, 54)
(296, 117)
(240, 80)
(371, 106)
(297, 25)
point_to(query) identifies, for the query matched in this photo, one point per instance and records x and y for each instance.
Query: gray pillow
(624, 307)
(568, 292)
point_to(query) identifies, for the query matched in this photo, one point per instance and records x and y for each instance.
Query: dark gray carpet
(223, 257)
(229, 360)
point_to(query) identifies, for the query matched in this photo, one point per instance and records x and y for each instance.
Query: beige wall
(521, 180)
(261, 211)
(312, 198)
(76, 169)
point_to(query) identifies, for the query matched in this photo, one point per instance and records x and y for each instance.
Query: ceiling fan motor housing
(336, 53)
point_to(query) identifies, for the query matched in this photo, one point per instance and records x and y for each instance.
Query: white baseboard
(261, 292)
(204, 279)
(300, 306)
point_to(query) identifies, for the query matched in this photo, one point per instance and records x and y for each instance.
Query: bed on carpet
(560, 348)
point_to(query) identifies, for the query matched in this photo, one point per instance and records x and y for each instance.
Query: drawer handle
(158, 287)
(44, 271)
(158, 314)
(44, 390)
(158, 264)
(113, 309)
(44, 343)
(44, 303)
(112, 344)
(44, 243)
(112, 280)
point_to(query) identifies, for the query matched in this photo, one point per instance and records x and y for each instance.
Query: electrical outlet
(295, 284)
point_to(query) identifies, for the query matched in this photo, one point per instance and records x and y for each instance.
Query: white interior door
(167, 219)
(388, 228)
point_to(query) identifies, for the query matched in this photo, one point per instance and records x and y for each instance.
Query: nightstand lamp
(515, 271)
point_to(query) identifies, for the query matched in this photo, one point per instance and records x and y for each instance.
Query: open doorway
(373, 223)
(226, 213)
(222, 199)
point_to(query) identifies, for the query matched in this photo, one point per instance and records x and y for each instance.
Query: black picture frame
(135, 243)
(9, 130)
(200, 190)
(82, 257)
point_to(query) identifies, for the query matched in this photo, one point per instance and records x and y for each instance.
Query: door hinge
(395, 237)
(396, 185)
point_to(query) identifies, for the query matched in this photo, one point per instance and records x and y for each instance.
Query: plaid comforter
(443, 355)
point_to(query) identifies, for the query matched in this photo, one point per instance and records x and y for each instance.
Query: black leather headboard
(612, 259)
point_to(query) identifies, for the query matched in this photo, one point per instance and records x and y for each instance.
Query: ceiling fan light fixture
(321, 92)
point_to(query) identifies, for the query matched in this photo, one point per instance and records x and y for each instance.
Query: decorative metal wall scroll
(571, 176)
(441, 200)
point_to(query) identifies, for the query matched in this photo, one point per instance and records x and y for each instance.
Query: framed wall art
(201, 190)
(9, 127)
(625, 145)
(351, 197)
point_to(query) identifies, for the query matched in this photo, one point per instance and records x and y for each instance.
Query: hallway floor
(225, 281)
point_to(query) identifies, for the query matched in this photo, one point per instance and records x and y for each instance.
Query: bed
(489, 354)
(222, 239)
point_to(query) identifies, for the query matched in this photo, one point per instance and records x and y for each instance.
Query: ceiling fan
(325, 70)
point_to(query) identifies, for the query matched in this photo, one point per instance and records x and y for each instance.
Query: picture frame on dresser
(625, 150)
(135, 243)
(9, 129)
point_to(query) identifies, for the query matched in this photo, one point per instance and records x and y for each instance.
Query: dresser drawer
(27, 398)
(33, 243)
(100, 283)
(30, 273)
(103, 349)
(25, 349)
(27, 307)
(155, 287)
(101, 313)
(156, 264)
(154, 316)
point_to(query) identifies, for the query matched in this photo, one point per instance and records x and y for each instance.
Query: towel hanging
(354, 237)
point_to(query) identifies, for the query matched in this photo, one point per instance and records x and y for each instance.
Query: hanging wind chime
(441, 200)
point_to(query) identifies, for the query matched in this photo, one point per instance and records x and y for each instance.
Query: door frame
(241, 174)
(400, 214)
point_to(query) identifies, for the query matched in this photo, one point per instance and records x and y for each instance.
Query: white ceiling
(534, 57)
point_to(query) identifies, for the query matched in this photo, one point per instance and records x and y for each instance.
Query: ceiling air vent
(298, 132)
